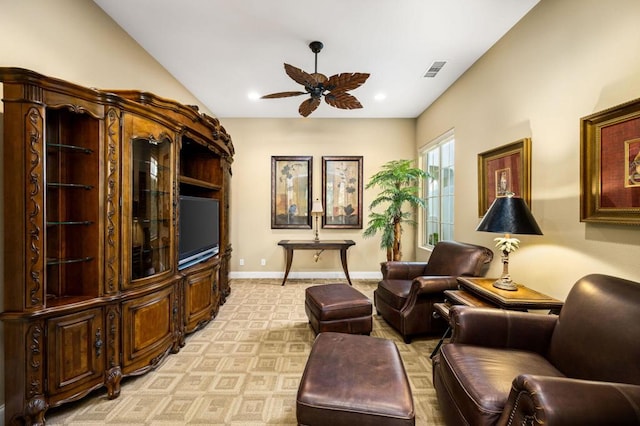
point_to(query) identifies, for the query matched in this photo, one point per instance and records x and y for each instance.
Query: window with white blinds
(437, 159)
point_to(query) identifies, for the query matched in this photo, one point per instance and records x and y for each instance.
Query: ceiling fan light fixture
(316, 85)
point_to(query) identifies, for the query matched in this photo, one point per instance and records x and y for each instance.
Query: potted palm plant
(399, 183)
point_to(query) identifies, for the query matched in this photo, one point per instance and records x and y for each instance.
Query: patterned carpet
(243, 368)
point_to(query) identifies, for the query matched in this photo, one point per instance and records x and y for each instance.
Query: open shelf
(62, 146)
(72, 213)
(199, 183)
(199, 167)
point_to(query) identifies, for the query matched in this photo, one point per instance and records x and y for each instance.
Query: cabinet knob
(98, 344)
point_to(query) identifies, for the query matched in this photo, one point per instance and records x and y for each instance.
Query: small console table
(480, 292)
(291, 245)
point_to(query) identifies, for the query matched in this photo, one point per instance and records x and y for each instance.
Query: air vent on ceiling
(435, 68)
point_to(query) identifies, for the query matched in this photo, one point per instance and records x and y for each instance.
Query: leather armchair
(408, 290)
(518, 368)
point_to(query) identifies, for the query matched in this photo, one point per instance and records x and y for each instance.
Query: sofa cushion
(479, 378)
(394, 292)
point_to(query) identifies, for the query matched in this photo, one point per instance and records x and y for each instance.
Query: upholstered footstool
(338, 307)
(354, 380)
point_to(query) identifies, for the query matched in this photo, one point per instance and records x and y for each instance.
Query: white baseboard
(2, 415)
(363, 275)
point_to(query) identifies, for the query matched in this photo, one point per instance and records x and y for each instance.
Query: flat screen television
(199, 237)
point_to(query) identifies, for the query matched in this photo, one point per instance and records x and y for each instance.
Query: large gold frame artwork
(610, 165)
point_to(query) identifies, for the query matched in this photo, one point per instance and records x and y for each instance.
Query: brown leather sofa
(408, 290)
(516, 368)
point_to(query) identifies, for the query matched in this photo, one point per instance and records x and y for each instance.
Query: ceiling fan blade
(308, 106)
(300, 76)
(342, 100)
(282, 95)
(346, 81)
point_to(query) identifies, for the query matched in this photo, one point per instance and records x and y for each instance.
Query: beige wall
(566, 59)
(256, 140)
(76, 41)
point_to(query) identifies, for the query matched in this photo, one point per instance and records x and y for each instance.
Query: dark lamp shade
(509, 215)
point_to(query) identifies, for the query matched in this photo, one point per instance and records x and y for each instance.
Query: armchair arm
(564, 401)
(401, 270)
(499, 328)
(434, 285)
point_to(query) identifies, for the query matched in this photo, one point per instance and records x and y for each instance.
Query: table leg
(444, 336)
(343, 258)
(288, 254)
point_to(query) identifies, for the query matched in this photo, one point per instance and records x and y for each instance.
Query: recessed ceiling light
(254, 96)
(380, 97)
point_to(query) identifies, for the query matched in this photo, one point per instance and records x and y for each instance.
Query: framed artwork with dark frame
(342, 192)
(504, 170)
(291, 178)
(610, 165)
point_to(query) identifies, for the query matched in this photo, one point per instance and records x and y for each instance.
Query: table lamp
(316, 211)
(508, 215)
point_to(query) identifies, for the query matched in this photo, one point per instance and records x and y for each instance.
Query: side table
(523, 299)
(480, 292)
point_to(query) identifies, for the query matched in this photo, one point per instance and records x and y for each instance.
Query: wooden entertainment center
(92, 182)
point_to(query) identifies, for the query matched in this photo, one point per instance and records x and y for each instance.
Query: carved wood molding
(35, 166)
(112, 157)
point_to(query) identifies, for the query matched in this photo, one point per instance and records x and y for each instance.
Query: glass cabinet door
(151, 207)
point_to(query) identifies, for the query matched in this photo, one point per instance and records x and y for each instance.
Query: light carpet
(243, 368)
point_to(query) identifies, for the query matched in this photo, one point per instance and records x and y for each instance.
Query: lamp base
(505, 283)
(316, 238)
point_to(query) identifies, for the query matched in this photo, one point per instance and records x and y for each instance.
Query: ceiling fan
(334, 89)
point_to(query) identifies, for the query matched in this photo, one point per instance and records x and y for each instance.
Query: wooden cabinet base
(112, 381)
(92, 183)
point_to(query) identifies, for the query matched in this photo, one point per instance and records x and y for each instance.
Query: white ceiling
(222, 50)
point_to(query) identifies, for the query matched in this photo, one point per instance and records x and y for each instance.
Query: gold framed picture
(504, 170)
(610, 165)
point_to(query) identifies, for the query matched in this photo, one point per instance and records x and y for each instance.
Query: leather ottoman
(354, 380)
(339, 308)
